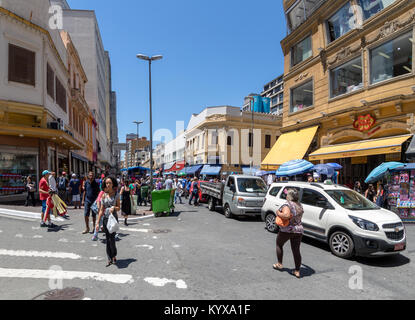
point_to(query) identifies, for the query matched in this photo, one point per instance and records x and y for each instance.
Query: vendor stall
(401, 191)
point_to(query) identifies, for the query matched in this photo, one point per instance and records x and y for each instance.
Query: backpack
(62, 183)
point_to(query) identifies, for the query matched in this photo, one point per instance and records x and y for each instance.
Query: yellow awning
(289, 146)
(360, 149)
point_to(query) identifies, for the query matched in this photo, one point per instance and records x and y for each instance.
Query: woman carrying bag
(110, 204)
(125, 201)
(289, 220)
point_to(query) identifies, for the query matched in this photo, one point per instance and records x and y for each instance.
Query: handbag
(94, 207)
(281, 222)
(112, 224)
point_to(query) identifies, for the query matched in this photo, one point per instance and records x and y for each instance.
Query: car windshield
(251, 185)
(351, 200)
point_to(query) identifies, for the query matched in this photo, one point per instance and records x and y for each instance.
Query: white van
(347, 221)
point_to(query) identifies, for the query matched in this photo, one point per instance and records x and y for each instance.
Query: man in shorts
(90, 195)
(75, 186)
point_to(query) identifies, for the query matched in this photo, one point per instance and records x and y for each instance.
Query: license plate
(399, 247)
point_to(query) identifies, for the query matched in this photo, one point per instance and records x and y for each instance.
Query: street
(192, 254)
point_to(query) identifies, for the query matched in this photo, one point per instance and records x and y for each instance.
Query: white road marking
(146, 224)
(1, 231)
(19, 235)
(96, 258)
(145, 246)
(135, 230)
(40, 254)
(37, 237)
(176, 246)
(155, 237)
(161, 282)
(35, 228)
(65, 275)
(26, 214)
(63, 240)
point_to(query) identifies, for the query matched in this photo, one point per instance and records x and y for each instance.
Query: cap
(64, 173)
(73, 175)
(102, 175)
(44, 173)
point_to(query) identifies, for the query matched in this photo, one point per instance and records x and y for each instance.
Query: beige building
(137, 149)
(221, 135)
(349, 84)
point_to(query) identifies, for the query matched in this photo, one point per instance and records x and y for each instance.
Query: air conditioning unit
(53, 125)
(61, 124)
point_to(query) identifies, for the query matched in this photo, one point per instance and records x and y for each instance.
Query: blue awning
(193, 169)
(138, 168)
(211, 170)
(248, 171)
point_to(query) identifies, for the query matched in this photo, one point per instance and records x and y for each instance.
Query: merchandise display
(401, 194)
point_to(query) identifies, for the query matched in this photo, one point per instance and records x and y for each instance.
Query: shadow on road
(384, 262)
(123, 264)
(59, 228)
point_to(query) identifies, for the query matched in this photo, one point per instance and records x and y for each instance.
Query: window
(281, 97)
(60, 95)
(250, 140)
(267, 141)
(285, 191)
(313, 198)
(391, 59)
(347, 77)
(229, 140)
(50, 82)
(339, 24)
(274, 101)
(274, 191)
(302, 97)
(371, 7)
(21, 65)
(301, 51)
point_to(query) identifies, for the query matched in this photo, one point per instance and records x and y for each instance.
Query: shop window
(60, 95)
(391, 59)
(339, 23)
(301, 51)
(14, 170)
(50, 82)
(21, 65)
(302, 97)
(346, 78)
(372, 7)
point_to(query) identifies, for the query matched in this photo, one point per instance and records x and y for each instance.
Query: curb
(140, 218)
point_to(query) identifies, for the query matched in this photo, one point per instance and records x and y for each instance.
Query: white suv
(347, 221)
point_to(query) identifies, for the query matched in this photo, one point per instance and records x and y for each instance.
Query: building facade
(34, 91)
(274, 90)
(223, 135)
(349, 82)
(138, 150)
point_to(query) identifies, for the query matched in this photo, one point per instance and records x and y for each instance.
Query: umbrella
(324, 169)
(261, 173)
(294, 167)
(379, 172)
(336, 166)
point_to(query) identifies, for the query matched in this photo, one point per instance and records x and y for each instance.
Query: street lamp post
(150, 59)
(251, 99)
(138, 140)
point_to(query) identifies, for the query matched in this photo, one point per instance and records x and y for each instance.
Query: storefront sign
(364, 123)
(359, 160)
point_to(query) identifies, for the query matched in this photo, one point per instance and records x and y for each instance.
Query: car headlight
(241, 202)
(364, 224)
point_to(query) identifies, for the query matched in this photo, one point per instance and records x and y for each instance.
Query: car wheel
(270, 223)
(341, 245)
(228, 212)
(211, 204)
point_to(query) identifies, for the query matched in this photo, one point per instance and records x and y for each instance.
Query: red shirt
(43, 185)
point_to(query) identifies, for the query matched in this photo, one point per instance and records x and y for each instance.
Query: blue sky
(215, 52)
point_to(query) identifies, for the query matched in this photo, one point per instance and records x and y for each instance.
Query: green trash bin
(162, 201)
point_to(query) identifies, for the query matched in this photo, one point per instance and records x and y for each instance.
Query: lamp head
(143, 57)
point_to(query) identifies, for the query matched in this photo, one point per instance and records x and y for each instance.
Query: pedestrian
(310, 178)
(31, 188)
(159, 185)
(75, 189)
(44, 194)
(370, 193)
(110, 204)
(358, 187)
(270, 180)
(194, 192)
(144, 193)
(89, 197)
(52, 183)
(125, 196)
(293, 211)
(188, 185)
(168, 184)
(138, 191)
(381, 197)
(179, 190)
(63, 186)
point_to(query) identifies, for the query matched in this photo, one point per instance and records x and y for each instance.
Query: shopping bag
(134, 204)
(94, 207)
(112, 224)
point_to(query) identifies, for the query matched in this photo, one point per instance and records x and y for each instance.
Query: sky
(215, 53)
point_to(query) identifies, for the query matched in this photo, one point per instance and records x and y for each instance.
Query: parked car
(240, 195)
(347, 221)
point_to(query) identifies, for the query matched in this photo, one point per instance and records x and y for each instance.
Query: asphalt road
(193, 254)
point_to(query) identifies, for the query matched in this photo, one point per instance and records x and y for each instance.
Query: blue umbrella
(294, 167)
(324, 169)
(336, 166)
(378, 173)
(261, 173)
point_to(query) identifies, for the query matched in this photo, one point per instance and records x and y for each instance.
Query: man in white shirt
(52, 182)
(270, 180)
(168, 183)
(179, 191)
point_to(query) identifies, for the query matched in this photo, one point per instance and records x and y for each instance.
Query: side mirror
(324, 204)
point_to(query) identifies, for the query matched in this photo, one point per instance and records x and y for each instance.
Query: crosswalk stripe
(26, 214)
(65, 275)
(40, 254)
